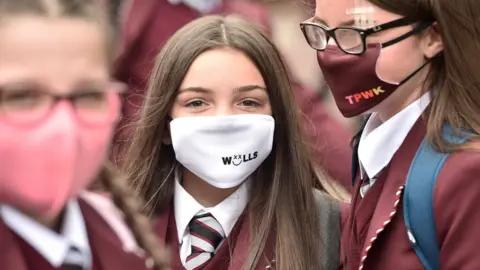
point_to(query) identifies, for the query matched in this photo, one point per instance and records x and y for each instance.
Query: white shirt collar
(54, 247)
(226, 213)
(380, 141)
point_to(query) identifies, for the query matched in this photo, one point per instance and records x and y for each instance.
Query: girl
(412, 65)
(57, 115)
(220, 158)
(144, 28)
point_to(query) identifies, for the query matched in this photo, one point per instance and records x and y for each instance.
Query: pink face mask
(43, 166)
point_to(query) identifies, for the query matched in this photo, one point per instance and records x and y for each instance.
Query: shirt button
(149, 263)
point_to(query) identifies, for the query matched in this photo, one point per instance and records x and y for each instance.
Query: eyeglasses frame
(70, 97)
(364, 33)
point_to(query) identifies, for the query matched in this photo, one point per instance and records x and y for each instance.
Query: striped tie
(366, 185)
(74, 260)
(206, 235)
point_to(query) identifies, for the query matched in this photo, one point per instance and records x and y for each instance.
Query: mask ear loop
(419, 28)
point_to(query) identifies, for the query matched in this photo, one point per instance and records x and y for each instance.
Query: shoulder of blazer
(104, 206)
(455, 209)
(134, 16)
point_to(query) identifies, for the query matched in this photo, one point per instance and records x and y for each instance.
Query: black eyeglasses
(352, 40)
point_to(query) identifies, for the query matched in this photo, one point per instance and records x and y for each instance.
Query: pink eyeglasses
(29, 106)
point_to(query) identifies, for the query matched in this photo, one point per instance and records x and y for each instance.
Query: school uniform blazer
(112, 244)
(146, 27)
(234, 251)
(375, 237)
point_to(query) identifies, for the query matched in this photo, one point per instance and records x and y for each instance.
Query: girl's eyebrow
(90, 84)
(248, 88)
(20, 85)
(244, 88)
(81, 86)
(196, 89)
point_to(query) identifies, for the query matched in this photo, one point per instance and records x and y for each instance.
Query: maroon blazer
(231, 255)
(375, 236)
(107, 249)
(148, 26)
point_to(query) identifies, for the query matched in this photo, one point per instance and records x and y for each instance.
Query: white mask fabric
(222, 150)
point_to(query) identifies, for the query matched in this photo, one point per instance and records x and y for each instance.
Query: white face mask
(222, 150)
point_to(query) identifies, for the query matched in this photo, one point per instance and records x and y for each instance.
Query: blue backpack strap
(418, 199)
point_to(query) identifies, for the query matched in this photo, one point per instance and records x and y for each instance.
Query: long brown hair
(281, 198)
(454, 74)
(122, 195)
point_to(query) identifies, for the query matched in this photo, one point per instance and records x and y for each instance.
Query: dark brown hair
(454, 75)
(282, 198)
(122, 195)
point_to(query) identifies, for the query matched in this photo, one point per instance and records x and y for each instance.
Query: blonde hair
(332, 187)
(128, 202)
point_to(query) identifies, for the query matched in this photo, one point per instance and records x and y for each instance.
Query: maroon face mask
(353, 79)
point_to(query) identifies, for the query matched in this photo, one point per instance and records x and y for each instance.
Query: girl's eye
(250, 103)
(195, 104)
(23, 99)
(92, 99)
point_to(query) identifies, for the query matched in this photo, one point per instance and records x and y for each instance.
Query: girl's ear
(432, 42)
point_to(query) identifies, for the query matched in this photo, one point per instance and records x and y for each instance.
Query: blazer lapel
(162, 222)
(240, 254)
(242, 247)
(166, 229)
(390, 198)
(11, 257)
(106, 247)
(267, 261)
